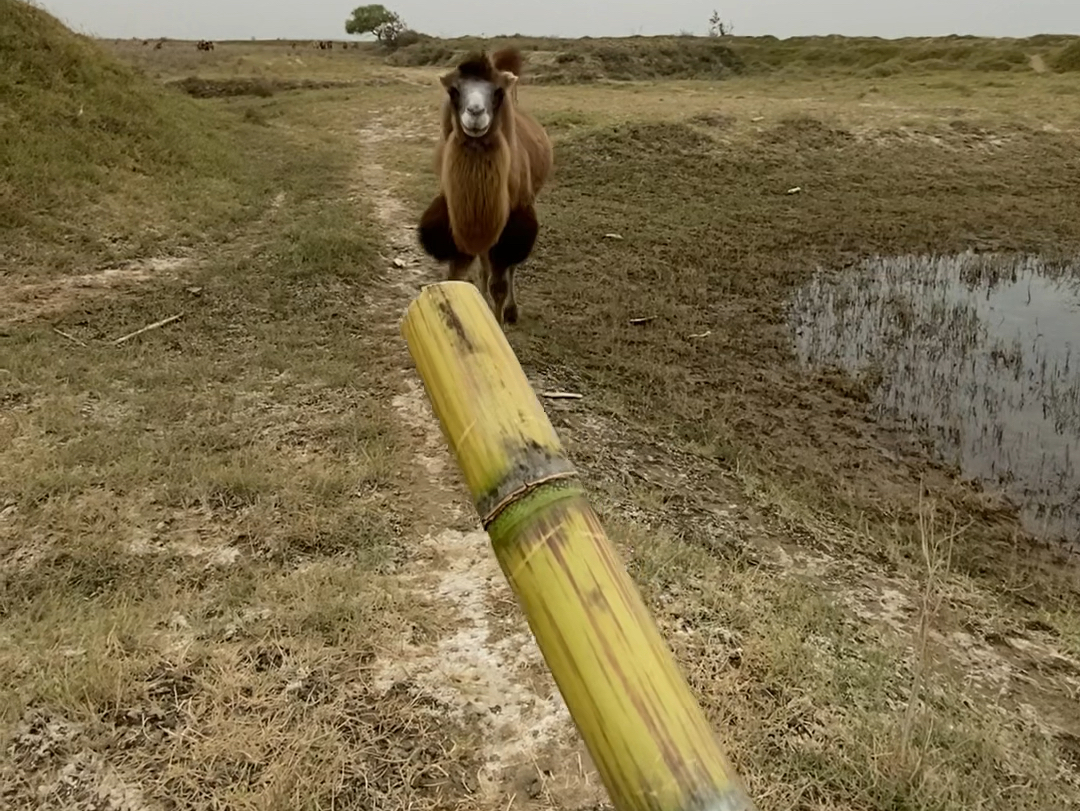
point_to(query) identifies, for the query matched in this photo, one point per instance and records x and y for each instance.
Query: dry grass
(197, 534)
(693, 177)
(208, 535)
(725, 242)
(824, 709)
(196, 527)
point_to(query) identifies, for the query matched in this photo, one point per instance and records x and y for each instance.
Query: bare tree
(385, 25)
(719, 28)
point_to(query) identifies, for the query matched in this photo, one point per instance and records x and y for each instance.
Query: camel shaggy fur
(491, 161)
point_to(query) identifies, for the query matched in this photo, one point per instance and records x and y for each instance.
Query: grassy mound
(1067, 60)
(97, 156)
(880, 57)
(554, 61)
(689, 57)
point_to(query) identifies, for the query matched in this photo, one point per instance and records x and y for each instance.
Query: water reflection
(978, 352)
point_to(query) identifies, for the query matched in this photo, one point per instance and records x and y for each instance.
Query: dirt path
(485, 667)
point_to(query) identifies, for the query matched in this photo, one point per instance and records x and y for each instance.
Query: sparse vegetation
(235, 566)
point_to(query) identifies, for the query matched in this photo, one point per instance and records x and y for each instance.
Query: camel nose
(475, 110)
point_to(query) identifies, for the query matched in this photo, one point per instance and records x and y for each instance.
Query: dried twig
(704, 334)
(147, 328)
(561, 395)
(643, 320)
(71, 338)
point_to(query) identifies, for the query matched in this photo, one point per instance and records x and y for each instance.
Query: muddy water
(981, 354)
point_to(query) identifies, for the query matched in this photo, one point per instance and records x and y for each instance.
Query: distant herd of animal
(208, 45)
(491, 161)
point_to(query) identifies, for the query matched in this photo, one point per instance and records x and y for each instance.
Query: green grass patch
(100, 163)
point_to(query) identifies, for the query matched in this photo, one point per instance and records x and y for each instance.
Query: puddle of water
(981, 353)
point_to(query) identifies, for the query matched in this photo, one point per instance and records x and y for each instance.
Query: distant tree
(379, 21)
(719, 28)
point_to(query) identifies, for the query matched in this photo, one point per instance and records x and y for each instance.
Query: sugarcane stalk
(649, 738)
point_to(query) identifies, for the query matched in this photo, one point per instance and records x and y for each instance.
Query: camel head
(477, 91)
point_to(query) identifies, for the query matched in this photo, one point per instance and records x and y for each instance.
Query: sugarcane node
(490, 516)
(534, 467)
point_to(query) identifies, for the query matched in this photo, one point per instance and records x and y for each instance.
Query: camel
(492, 160)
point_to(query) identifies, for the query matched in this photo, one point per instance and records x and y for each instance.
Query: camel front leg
(514, 246)
(484, 282)
(459, 272)
(510, 310)
(503, 296)
(459, 268)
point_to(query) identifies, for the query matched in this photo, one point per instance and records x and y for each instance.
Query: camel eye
(455, 95)
(500, 94)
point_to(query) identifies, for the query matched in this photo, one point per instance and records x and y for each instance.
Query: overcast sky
(318, 19)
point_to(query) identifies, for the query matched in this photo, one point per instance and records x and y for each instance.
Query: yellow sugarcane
(650, 740)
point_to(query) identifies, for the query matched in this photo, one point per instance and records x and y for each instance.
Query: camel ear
(447, 79)
(509, 79)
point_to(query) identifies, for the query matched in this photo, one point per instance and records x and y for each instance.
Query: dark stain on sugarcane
(560, 640)
(636, 609)
(453, 322)
(572, 665)
(595, 597)
(644, 710)
(612, 561)
(675, 764)
(556, 638)
(604, 755)
(615, 764)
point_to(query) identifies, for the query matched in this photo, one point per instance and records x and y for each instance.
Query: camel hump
(508, 59)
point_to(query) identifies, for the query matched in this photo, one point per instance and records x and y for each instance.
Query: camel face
(477, 90)
(476, 101)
